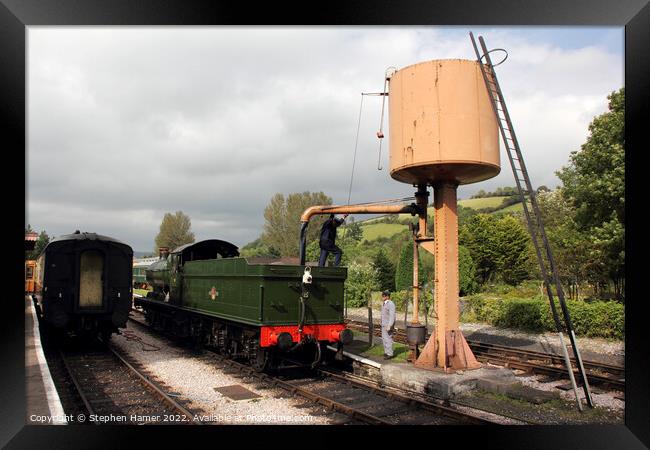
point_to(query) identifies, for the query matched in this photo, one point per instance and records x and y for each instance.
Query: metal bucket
(416, 334)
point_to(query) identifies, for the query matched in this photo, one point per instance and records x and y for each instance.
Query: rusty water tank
(442, 126)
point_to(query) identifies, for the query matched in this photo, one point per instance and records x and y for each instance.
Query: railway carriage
(30, 272)
(265, 313)
(140, 272)
(84, 284)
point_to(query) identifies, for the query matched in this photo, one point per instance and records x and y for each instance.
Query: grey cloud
(127, 124)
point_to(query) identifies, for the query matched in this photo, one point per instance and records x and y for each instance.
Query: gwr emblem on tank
(214, 293)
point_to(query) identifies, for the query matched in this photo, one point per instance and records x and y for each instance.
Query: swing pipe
(365, 208)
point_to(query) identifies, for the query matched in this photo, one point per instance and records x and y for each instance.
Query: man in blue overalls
(328, 239)
(387, 324)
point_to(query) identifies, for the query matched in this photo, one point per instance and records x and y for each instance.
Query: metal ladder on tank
(533, 217)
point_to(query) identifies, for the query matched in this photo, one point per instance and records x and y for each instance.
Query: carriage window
(29, 274)
(91, 286)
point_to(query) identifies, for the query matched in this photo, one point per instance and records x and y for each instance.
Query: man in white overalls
(387, 324)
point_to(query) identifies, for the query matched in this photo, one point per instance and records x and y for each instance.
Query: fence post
(371, 328)
(406, 310)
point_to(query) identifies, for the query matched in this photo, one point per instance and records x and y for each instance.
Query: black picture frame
(634, 15)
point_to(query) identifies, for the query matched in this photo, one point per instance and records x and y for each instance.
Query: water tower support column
(447, 348)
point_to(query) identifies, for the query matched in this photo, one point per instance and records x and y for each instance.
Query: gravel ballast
(604, 400)
(195, 377)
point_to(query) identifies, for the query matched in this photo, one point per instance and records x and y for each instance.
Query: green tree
(175, 230)
(385, 271)
(404, 268)
(282, 220)
(514, 247)
(353, 232)
(41, 243)
(466, 272)
(499, 247)
(312, 252)
(477, 234)
(594, 182)
(361, 281)
(571, 248)
(258, 249)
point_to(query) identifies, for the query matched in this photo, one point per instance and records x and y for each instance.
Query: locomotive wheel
(262, 360)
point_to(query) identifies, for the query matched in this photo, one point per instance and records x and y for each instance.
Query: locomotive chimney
(163, 252)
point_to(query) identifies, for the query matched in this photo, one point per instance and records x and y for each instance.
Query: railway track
(349, 399)
(113, 391)
(552, 365)
(361, 403)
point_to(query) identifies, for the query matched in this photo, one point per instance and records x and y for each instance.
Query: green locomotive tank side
(262, 294)
(246, 308)
(210, 278)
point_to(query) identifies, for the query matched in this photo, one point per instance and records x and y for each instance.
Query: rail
(604, 375)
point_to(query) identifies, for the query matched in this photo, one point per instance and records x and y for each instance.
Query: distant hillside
(480, 203)
(374, 228)
(517, 207)
(373, 231)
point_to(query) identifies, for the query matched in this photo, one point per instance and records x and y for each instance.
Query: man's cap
(386, 293)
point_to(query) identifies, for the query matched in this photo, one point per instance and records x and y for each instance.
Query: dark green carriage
(139, 275)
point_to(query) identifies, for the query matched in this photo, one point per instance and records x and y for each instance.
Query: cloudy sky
(126, 124)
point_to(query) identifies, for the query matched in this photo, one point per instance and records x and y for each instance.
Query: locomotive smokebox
(442, 126)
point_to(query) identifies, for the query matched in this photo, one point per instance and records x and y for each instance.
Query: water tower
(443, 133)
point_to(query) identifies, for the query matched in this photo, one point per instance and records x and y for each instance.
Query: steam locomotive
(272, 315)
(83, 285)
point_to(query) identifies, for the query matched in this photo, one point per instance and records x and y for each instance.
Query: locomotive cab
(165, 274)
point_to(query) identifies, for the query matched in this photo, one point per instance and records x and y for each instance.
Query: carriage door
(91, 279)
(29, 276)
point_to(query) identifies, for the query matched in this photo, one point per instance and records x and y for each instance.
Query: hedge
(594, 319)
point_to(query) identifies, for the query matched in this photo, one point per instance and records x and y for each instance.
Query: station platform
(43, 406)
(398, 373)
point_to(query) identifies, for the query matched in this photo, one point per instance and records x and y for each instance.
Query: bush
(526, 289)
(400, 298)
(524, 314)
(598, 319)
(359, 284)
(594, 319)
